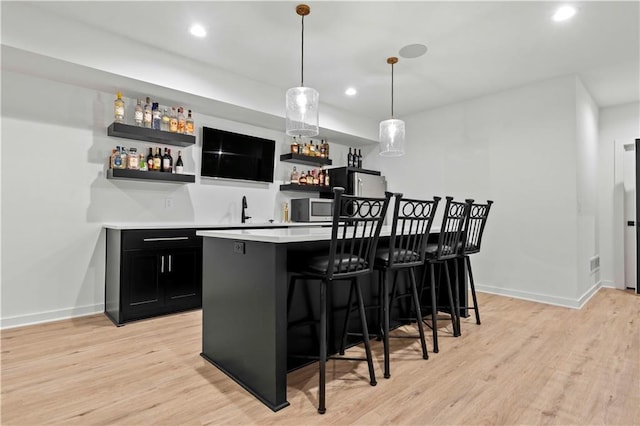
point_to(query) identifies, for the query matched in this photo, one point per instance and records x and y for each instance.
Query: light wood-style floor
(528, 363)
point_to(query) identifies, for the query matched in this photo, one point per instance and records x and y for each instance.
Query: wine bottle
(349, 159)
(150, 160)
(166, 162)
(179, 165)
(157, 161)
(359, 158)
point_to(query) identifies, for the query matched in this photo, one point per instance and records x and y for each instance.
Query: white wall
(55, 196)
(618, 123)
(587, 242)
(517, 148)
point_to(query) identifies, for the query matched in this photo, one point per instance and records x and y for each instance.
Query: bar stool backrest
(412, 220)
(453, 220)
(476, 221)
(357, 222)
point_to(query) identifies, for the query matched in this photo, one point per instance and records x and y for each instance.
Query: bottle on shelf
(118, 108)
(138, 115)
(349, 159)
(326, 179)
(115, 158)
(179, 164)
(326, 148)
(166, 121)
(156, 116)
(320, 177)
(303, 178)
(285, 213)
(323, 150)
(359, 159)
(157, 161)
(294, 146)
(123, 158)
(166, 162)
(173, 121)
(182, 122)
(170, 160)
(143, 163)
(305, 149)
(295, 177)
(189, 124)
(150, 160)
(147, 113)
(132, 159)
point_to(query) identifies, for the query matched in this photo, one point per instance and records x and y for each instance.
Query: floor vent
(594, 263)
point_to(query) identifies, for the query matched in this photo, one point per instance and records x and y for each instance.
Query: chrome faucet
(244, 206)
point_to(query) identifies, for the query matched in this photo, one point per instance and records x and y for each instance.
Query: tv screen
(234, 156)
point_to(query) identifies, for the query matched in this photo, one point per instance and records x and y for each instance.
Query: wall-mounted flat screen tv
(231, 155)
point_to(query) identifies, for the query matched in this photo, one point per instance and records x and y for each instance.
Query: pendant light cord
(391, 90)
(302, 56)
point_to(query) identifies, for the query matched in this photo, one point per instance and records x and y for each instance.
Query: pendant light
(392, 130)
(302, 102)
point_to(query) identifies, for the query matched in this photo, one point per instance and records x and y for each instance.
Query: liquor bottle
(137, 117)
(190, 126)
(295, 177)
(123, 158)
(326, 148)
(132, 159)
(115, 158)
(170, 160)
(323, 150)
(173, 121)
(359, 158)
(326, 179)
(118, 108)
(147, 114)
(166, 162)
(182, 122)
(349, 159)
(285, 213)
(294, 146)
(312, 150)
(320, 177)
(305, 149)
(166, 120)
(156, 116)
(303, 179)
(179, 165)
(157, 161)
(150, 160)
(143, 163)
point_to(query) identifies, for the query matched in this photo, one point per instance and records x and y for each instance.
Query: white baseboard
(542, 298)
(42, 317)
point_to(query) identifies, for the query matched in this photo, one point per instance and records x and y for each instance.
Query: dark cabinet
(152, 272)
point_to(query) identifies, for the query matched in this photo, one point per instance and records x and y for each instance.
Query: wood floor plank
(528, 363)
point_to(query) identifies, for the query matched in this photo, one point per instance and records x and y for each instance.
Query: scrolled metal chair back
(474, 228)
(453, 221)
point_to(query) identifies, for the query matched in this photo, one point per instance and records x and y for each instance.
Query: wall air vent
(594, 263)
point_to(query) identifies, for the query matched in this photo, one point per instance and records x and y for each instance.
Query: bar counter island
(245, 276)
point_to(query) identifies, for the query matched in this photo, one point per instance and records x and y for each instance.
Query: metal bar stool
(474, 229)
(356, 226)
(446, 249)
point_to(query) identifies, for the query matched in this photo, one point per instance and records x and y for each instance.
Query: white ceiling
(475, 48)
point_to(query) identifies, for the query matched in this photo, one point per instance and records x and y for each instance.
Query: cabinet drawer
(159, 238)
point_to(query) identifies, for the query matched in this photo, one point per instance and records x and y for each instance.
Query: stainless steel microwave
(311, 210)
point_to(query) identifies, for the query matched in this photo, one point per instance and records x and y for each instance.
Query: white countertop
(209, 225)
(284, 235)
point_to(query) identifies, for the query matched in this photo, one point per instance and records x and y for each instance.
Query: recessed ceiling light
(564, 13)
(350, 91)
(413, 51)
(198, 30)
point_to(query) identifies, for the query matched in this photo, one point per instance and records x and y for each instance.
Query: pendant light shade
(302, 102)
(392, 130)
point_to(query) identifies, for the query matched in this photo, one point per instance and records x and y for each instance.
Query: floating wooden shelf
(145, 134)
(305, 159)
(153, 176)
(305, 188)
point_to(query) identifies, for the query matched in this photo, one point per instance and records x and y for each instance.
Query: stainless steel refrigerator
(360, 182)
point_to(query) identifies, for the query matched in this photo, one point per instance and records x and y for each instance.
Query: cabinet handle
(165, 239)
(170, 263)
(162, 265)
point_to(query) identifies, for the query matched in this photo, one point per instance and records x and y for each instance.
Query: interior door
(637, 209)
(630, 238)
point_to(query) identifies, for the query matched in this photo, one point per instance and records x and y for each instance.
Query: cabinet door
(182, 279)
(142, 292)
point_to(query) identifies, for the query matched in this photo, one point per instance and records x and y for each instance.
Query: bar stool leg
(416, 304)
(347, 316)
(456, 296)
(365, 334)
(323, 347)
(451, 304)
(434, 308)
(473, 289)
(385, 327)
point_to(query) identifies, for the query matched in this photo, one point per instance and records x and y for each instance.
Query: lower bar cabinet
(152, 272)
